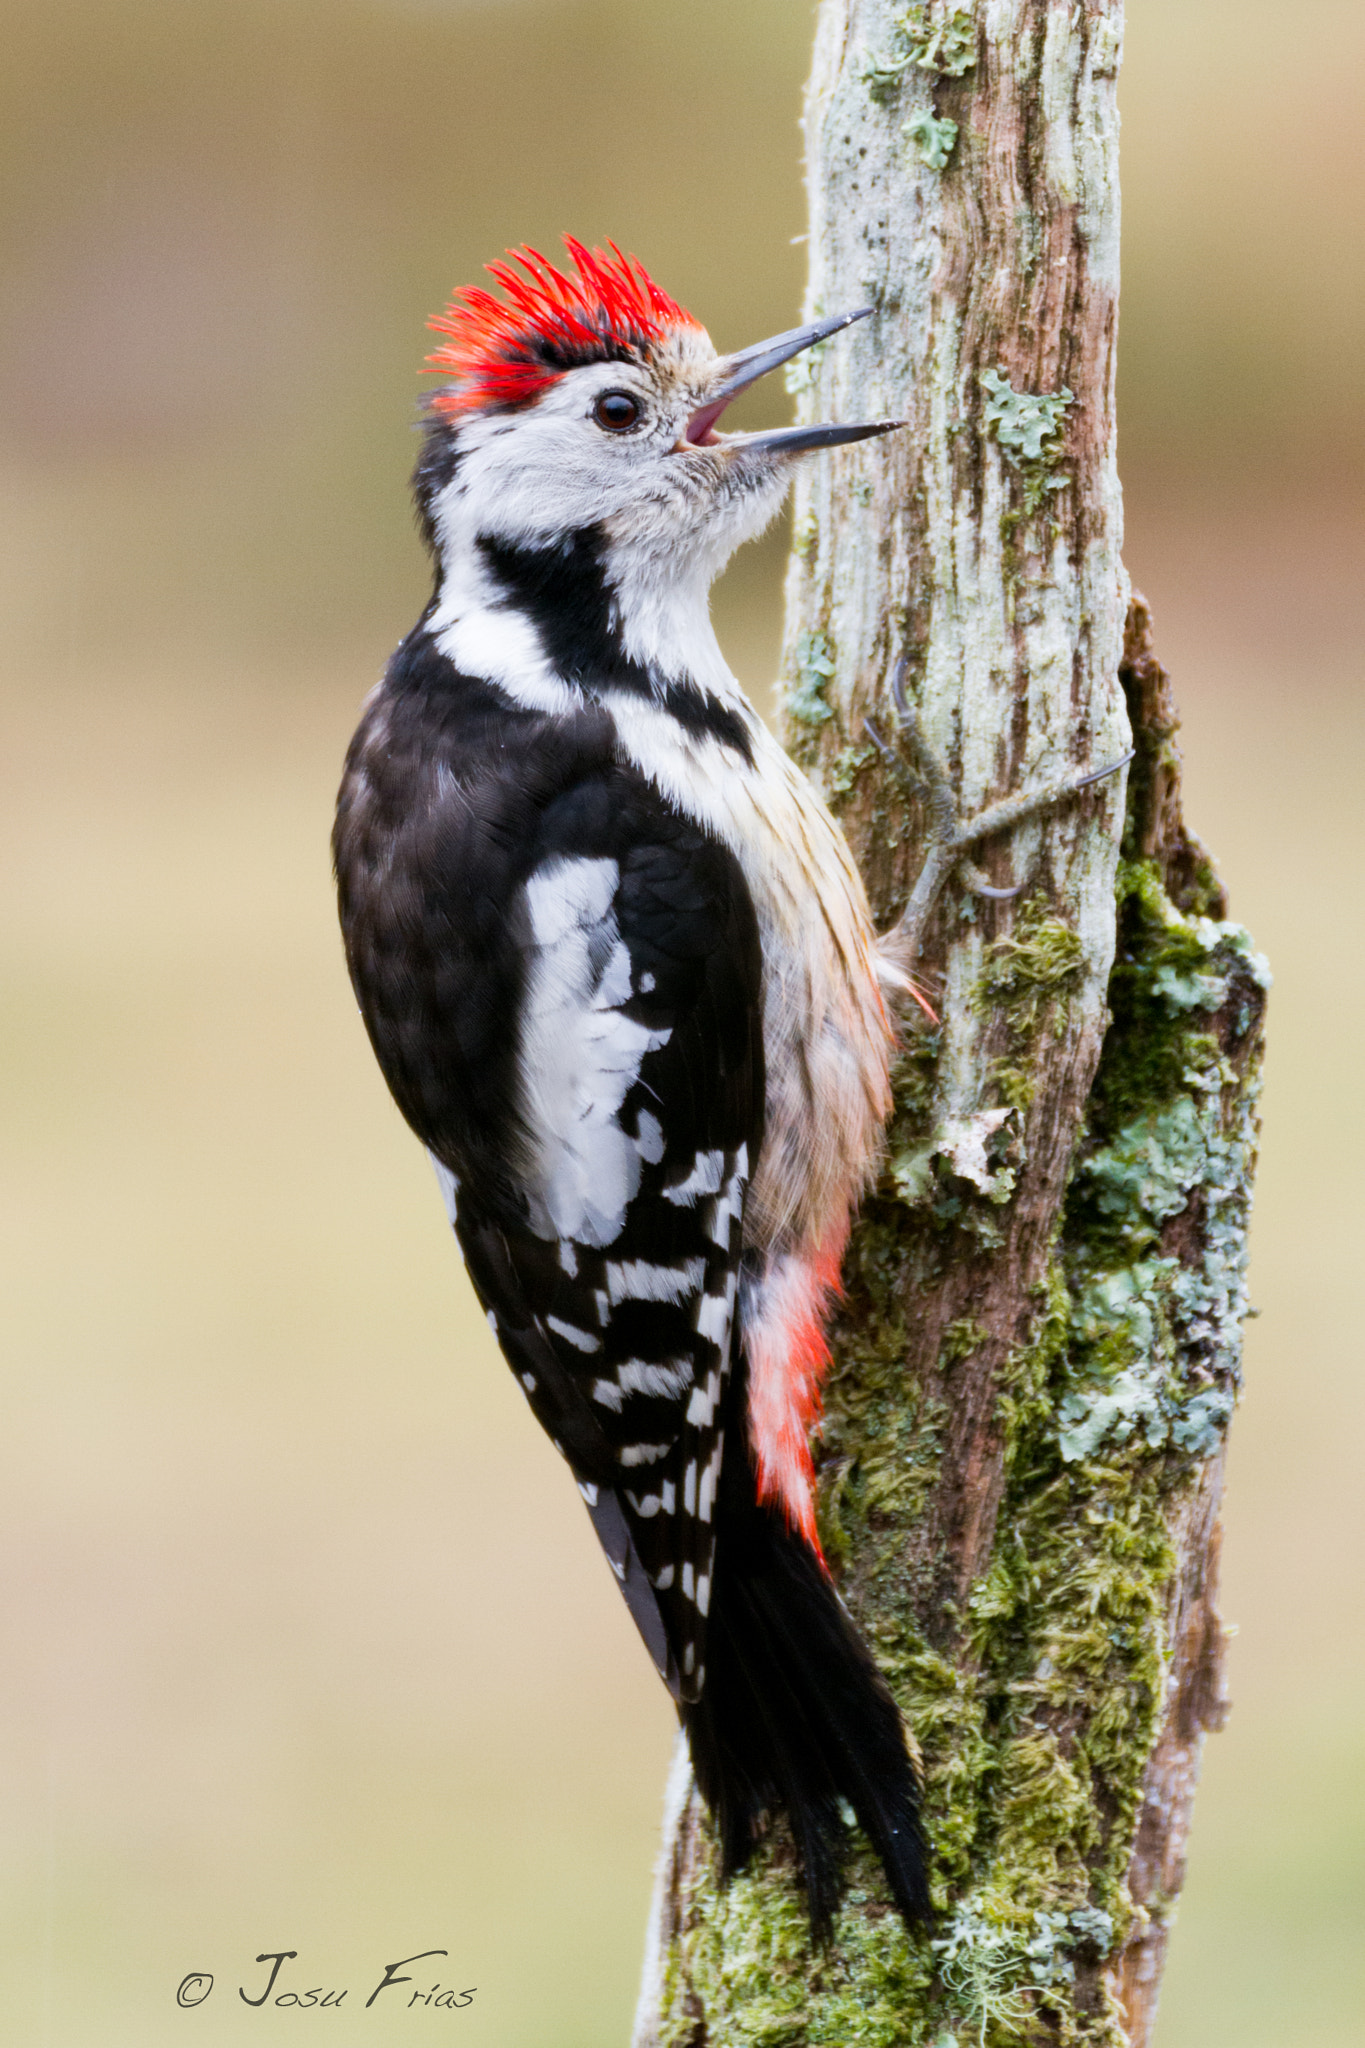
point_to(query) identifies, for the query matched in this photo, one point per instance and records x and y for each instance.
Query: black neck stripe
(562, 589)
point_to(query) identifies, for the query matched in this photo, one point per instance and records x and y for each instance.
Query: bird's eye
(616, 411)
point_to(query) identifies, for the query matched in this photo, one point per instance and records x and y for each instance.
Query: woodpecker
(619, 970)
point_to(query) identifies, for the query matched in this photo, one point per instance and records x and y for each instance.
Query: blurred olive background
(307, 1643)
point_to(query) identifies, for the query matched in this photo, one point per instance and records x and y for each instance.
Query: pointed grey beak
(795, 440)
(750, 364)
(741, 370)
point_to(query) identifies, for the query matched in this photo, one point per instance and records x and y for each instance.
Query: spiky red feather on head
(504, 352)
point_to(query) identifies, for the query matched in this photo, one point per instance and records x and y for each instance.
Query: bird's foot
(949, 836)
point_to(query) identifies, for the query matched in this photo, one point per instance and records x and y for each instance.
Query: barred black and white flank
(617, 965)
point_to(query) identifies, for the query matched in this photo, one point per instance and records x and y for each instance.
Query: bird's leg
(949, 835)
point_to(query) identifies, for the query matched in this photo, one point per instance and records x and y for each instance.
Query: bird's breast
(827, 1036)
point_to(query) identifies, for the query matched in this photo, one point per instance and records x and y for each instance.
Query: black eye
(616, 411)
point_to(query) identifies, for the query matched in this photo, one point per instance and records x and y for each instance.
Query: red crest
(504, 352)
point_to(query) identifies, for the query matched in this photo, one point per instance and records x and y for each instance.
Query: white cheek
(545, 477)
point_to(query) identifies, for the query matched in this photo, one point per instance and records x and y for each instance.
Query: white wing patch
(670, 1380)
(706, 1492)
(730, 1207)
(638, 1376)
(702, 1407)
(704, 1179)
(715, 1313)
(580, 1056)
(649, 1504)
(582, 1340)
(637, 1280)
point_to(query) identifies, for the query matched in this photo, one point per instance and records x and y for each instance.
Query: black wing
(561, 976)
(614, 1301)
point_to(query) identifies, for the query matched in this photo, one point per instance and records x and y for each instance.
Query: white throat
(657, 609)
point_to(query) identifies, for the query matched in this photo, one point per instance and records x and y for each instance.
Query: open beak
(738, 372)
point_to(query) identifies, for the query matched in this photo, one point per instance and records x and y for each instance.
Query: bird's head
(591, 403)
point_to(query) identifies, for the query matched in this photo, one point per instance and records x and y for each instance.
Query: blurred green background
(307, 1643)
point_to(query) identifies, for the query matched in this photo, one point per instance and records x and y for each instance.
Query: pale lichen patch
(1028, 429)
(931, 137)
(1158, 1322)
(805, 701)
(929, 36)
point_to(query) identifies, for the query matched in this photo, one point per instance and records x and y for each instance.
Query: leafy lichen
(938, 39)
(1027, 424)
(1028, 428)
(806, 701)
(1159, 1329)
(847, 765)
(933, 138)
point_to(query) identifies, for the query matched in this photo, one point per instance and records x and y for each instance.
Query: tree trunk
(1037, 1354)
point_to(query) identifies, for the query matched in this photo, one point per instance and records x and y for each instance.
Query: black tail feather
(795, 1716)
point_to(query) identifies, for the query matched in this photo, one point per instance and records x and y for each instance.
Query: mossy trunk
(1038, 1350)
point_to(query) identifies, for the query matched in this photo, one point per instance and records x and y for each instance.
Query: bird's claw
(948, 835)
(980, 883)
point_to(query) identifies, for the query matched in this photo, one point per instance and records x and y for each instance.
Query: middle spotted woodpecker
(618, 967)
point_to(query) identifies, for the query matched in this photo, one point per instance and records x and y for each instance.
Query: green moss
(911, 1168)
(747, 1958)
(979, 1966)
(1036, 967)
(804, 536)
(961, 1339)
(1168, 969)
(1034, 1826)
(1015, 1086)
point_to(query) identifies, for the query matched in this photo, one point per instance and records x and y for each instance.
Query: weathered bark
(1021, 1458)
